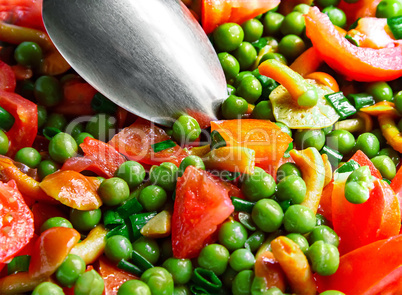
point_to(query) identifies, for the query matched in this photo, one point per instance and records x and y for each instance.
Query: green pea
(47, 288)
(228, 37)
(291, 188)
(241, 259)
(148, 248)
(291, 46)
(28, 156)
(101, 126)
(300, 240)
(293, 23)
(336, 16)
(90, 282)
(164, 175)
(6, 120)
(57, 121)
(232, 235)
(181, 290)
(308, 98)
(55, 222)
(85, 220)
(381, 139)
(368, 143)
(81, 137)
(255, 240)
(180, 269)
(228, 276)
(246, 54)
(299, 219)
(324, 258)
(47, 167)
(259, 185)
(390, 152)
(263, 110)
(241, 76)
(310, 138)
(191, 161)
(286, 170)
(75, 129)
(274, 55)
(267, 215)
(113, 191)
(214, 257)
(385, 165)
(252, 29)
(323, 233)
(398, 101)
(134, 287)
(380, 91)
(69, 271)
(28, 54)
(358, 185)
(166, 250)
(42, 116)
(242, 282)
(272, 23)
(230, 65)
(304, 8)
(250, 89)
(117, 248)
(132, 172)
(62, 147)
(389, 8)
(3, 143)
(231, 89)
(48, 91)
(186, 128)
(159, 281)
(259, 286)
(341, 140)
(233, 107)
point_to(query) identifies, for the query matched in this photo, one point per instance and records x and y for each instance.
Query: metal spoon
(150, 57)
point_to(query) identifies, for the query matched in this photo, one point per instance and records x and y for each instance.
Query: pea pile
(130, 235)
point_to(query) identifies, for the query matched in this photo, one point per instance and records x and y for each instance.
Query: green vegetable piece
(232, 235)
(206, 279)
(180, 269)
(242, 283)
(324, 258)
(267, 215)
(47, 288)
(159, 281)
(6, 120)
(147, 248)
(19, 263)
(163, 145)
(4, 143)
(85, 220)
(324, 233)
(241, 259)
(395, 25)
(259, 185)
(28, 156)
(300, 240)
(214, 257)
(361, 100)
(385, 165)
(334, 157)
(55, 222)
(90, 282)
(299, 219)
(349, 166)
(114, 191)
(69, 271)
(341, 105)
(117, 248)
(101, 104)
(134, 287)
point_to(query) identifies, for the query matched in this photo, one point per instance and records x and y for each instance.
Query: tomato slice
(202, 203)
(135, 142)
(16, 223)
(7, 77)
(25, 13)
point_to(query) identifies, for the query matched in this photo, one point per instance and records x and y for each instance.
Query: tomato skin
(25, 13)
(17, 226)
(202, 203)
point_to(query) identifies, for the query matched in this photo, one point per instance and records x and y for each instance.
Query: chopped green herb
(341, 105)
(163, 145)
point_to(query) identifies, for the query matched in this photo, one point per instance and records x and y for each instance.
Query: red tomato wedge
(7, 77)
(373, 269)
(16, 223)
(112, 276)
(355, 63)
(25, 13)
(358, 225)
(135, 142)
(396, 185)
(99, 157)
(202, 203)
(217, 12)
(25, 127)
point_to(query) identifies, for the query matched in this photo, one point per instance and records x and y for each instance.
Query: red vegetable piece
(16, 223)
(372, 269)
(355, 63)
(396, 185)
(202, 203)
(361, 8)
(25, 127)
(25, 13)
(363, 160)
(217, 12)
(7, 78)
(43, 211)
(135, 143)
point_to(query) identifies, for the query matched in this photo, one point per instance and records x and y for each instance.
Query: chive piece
(341, 105)
(217, 140)
(267, 84)
(334, 157)
(387, 180)
(354, 25)
(50, 132)
(112, 219)
(242, 205)
(130, 207)
(285, 205)
(260, 43)
(197, 290)
(230, 176)
(121, 230)
(138, 221)
(101, 104)
(287, 154)
(361, 100)
(395, 25)
(129, 267)
(349, 166)
(246, 220)
(141, 261)
(6, 120)
(163, 145)
(206, 279)
(352, 40)
(18, 264)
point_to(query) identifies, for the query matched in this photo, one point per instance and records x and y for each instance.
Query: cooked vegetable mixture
(297, 189)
